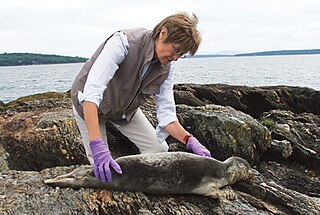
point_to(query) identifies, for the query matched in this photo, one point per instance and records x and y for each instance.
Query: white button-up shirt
(107, 64)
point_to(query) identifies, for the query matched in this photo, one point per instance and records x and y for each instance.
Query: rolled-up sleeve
(165, 106)
(104, 68)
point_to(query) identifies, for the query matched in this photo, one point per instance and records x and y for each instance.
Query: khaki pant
(139, 130)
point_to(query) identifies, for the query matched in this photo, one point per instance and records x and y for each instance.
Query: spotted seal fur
(165, 173)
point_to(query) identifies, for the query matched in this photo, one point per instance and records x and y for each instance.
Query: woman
(128, 67)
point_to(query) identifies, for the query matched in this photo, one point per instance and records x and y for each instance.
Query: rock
(3, 159)
(25, 192)
(251, 100)
(292, 176)
(277, 198)
(301, 131)
(39, 140)
(226, 132)
(281, 149)
(42, 102)
(36, 140)
(1, 106)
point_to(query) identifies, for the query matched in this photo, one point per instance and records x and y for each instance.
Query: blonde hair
(182, 30)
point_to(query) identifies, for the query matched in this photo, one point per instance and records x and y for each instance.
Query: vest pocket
(153, 89)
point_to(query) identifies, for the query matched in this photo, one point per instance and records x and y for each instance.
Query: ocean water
(291, 70)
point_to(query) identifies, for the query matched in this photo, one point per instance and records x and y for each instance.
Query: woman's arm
(90, 113)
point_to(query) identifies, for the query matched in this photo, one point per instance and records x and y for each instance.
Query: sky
(77, 27)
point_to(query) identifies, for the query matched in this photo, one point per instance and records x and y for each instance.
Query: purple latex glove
(197, 147)
(103, 160)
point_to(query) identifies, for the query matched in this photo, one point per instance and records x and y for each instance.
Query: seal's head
(238, 169)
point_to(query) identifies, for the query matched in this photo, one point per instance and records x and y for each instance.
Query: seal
(165, 173)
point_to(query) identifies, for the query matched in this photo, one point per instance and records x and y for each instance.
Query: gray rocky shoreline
(276, 129)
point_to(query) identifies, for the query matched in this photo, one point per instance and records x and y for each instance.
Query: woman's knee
(163, 147)
(159, 147)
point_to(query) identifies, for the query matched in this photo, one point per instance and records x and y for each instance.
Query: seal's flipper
(69, 178)
(214, 193)
(225, 193)
(228, 194)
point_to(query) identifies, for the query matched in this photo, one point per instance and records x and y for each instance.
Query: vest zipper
(124, 116)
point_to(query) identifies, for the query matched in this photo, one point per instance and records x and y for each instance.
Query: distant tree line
(282, 52)
(19, 59)
(265, 53)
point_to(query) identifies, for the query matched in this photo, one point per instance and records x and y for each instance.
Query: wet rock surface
(226, 132)
(276, 129)
(251, 100)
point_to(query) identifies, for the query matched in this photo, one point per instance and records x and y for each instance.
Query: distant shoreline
(24, 59)
(282, 52)
(265, 53)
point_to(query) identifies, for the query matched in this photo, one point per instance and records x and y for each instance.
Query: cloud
(77, 27)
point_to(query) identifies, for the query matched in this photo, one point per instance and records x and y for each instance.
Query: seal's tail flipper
(68, 179)
(62, 182)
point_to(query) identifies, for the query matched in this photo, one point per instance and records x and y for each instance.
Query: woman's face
(166, 52)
